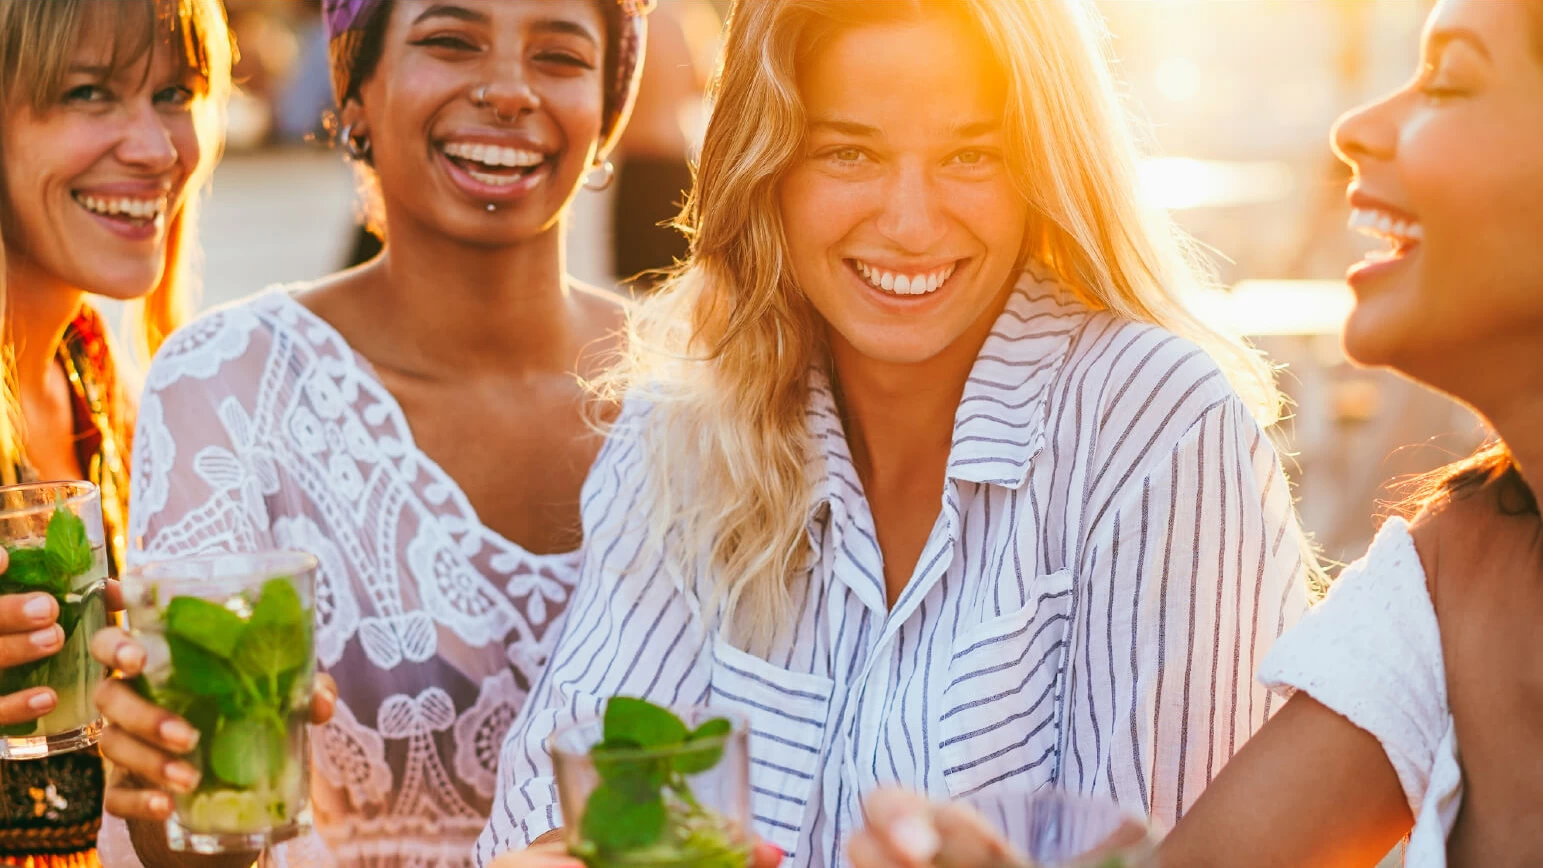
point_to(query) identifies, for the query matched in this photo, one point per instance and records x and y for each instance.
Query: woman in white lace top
(1415, 686)
(417, 423)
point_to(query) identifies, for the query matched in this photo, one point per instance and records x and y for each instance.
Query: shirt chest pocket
(1001, 707)
(787, 715)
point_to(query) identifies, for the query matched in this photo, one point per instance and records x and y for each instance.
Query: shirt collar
(1000, 424)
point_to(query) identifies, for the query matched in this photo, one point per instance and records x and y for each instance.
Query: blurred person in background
(653, 171)
(114, 119)
(1412, 691)
(418, 423)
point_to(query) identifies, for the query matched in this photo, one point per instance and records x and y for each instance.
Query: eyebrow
(966, 130)
(446, 10)
(99, 71)
(564, 25)
(1440, 39)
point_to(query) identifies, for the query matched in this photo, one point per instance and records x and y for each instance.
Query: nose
(507, 92)
(147, 142)
(1367, 133)
(912, 217)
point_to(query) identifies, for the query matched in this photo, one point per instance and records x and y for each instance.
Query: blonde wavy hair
(38, 39)
(721, 354)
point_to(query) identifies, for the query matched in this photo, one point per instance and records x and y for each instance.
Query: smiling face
(94, 180)
(1449, 170)
(902, 221)
(445, 149)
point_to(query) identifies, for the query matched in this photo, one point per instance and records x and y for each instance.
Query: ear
(352, 116)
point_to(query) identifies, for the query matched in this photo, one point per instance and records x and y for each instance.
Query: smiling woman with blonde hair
(924, 468)
(113, 121)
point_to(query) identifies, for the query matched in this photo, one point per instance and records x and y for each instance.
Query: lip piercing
(492, 207)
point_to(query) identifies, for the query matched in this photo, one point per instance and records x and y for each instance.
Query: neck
(1504, 383)
(456, 306)
(1518, 419)
(38, 309)
(899, 417)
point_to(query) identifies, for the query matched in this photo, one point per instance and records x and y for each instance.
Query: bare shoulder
(1476, 535)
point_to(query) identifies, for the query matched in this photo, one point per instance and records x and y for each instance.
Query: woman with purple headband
(419, 422)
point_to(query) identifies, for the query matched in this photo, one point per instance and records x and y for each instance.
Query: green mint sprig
(65, 554)
(643, 799)
(232, 678)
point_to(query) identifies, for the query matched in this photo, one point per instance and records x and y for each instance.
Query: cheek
(818, 210)
(994, 213)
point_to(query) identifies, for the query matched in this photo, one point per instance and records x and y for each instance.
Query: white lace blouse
(260, 427)
(1371, 651)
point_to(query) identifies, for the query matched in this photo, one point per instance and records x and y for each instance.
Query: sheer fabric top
(261, 428)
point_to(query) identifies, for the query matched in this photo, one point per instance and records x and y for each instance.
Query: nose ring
(479, 97)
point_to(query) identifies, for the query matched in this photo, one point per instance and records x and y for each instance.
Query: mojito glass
(1056, 829)
(52, 532)
(228, 646)
(646, 787)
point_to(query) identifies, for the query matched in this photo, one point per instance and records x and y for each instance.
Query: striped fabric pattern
(1114, 554)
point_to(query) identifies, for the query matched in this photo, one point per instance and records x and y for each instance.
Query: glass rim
(739, 726)
(180, 571)
(80, 493)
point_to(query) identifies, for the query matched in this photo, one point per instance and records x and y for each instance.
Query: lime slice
(227, 811)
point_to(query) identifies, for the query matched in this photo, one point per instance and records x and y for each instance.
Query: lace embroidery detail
(265, 429)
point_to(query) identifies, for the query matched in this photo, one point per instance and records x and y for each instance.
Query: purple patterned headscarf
(349, 20)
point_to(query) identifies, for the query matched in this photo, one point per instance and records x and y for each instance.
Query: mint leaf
(29, 569)
(66, 547)
(198, 672)
(210, 626)
(276, 639)
(613, 821)
(697, 761)
(641, 723)
(244, 752)
(639, 778)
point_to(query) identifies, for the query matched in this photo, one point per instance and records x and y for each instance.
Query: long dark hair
(1492, 465)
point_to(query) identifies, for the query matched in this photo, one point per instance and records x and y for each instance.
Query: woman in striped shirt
(923, 469)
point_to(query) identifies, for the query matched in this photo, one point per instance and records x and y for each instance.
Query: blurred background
(1240, 96)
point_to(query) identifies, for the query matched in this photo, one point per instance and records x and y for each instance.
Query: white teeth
(903, 284)
(1380, 224)
(493, 155)
(495, 180)
(138, 209)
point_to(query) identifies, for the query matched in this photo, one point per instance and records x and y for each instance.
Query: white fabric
(1371, 651)
(260, 427)
(1113, 556)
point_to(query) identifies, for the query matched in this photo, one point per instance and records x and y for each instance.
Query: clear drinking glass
(1055, 829)
(53, 534)
(702, 789)
(228, 646)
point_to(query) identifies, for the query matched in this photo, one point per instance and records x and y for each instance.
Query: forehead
(930, 73)
(1504, 27)
(504, 12)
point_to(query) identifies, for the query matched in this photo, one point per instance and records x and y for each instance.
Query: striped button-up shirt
(1115, 551)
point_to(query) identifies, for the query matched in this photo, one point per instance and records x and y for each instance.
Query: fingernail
(159, 803)
(178, 733)
(42, 701)
(43, 638)
(915, 837)
(769, 853)
(129, 656)
(38, 607)
(182, 776)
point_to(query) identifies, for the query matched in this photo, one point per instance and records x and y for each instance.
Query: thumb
(766, 855)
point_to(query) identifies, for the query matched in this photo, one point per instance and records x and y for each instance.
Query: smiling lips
(138, 211)
(899, 283)
(1402, 233)
(493, 165)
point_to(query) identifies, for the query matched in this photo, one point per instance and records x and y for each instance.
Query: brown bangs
(39, 40)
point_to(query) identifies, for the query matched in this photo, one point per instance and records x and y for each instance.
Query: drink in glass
(1055, 829)
(52, 533)
(228, 643)
(645, 787)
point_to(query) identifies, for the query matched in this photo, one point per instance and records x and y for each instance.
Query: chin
(1370, 340)
(122, 287)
